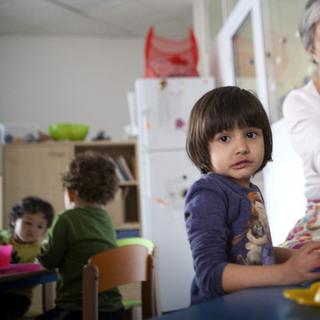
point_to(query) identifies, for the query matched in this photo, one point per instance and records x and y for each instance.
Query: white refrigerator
(163, 108)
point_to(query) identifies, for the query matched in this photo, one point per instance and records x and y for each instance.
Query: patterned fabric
(307, 228)
(258, 237)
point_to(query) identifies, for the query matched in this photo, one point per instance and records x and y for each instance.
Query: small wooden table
(29, 278)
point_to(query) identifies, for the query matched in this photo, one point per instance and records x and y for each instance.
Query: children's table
(29, 274)
(250, 304)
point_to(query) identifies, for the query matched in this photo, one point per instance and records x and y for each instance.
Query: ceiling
(101, 18)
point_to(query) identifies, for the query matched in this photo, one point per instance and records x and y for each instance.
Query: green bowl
(68, 131)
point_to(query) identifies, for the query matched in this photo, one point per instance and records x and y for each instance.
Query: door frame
(223, 48)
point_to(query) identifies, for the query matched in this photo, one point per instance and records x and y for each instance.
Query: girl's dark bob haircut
(222, 109)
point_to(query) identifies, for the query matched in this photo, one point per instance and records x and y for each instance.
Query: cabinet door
(34, 170)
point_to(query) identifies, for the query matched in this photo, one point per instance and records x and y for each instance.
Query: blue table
(250, 304)
(23, 279)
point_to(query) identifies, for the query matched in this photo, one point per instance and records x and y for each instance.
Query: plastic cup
(5, 255)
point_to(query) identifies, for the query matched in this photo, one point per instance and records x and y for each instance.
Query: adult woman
(301, 111)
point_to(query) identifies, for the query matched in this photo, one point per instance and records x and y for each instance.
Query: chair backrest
(155, 283)
(116, 267)
(136, 240)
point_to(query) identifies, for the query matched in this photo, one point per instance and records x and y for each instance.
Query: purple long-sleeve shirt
(226, 223)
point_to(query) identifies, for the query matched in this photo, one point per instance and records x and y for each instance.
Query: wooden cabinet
(35, 169)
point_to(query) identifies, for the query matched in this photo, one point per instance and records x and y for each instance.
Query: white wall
(56, 79)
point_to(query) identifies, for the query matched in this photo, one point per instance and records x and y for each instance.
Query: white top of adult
(301, 110)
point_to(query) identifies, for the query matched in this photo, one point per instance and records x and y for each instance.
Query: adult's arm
(301, 110)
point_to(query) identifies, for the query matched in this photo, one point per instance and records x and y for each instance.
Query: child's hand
(300, 266)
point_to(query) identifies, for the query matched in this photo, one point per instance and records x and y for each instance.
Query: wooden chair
(133, 303)
(116, 267)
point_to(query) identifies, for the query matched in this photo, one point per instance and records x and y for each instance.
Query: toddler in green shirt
(81, 231)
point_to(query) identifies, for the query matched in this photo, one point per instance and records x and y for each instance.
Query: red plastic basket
(170, 58)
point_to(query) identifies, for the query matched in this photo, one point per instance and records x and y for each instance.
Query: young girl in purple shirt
(229, 139)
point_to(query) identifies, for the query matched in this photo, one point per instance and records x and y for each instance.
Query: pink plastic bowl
(5, 254)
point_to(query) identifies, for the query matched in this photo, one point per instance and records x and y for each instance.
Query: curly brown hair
(92, 177)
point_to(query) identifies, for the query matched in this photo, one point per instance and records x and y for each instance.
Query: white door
(240, 50)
